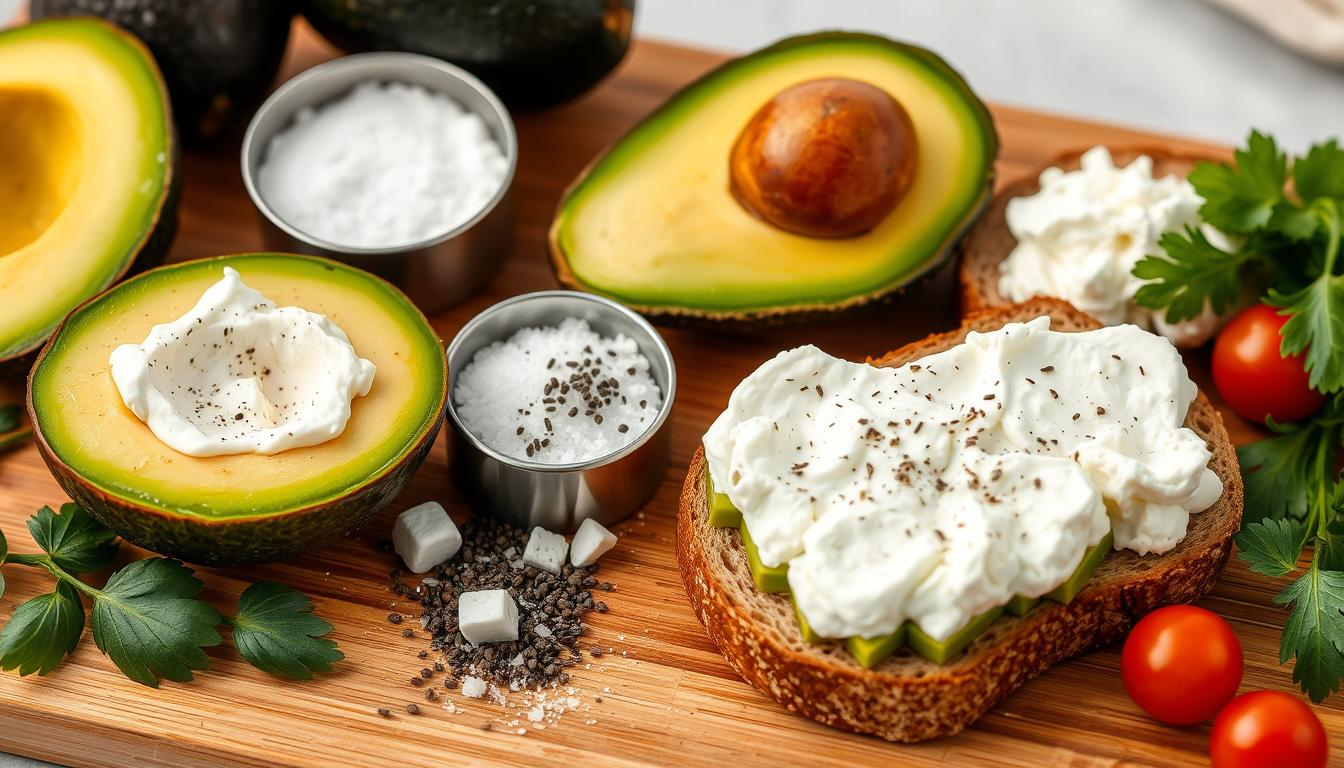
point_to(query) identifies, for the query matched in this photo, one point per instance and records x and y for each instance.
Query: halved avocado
(234, 510)
(87, 187)
(652, 222)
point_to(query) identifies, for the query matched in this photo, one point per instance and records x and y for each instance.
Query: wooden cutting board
(667, 695)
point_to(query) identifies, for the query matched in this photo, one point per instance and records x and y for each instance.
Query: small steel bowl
(558, 497)
(437, 272)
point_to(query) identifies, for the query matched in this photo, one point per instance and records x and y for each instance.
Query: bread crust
(906, 698)
(989, 241)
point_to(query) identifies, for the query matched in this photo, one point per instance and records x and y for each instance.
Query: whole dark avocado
(219, 57)
(533, 53)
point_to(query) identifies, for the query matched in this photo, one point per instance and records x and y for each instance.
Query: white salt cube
(473, 687)
(545, 550)
(425, 536)
(487, 616)
(590, 542)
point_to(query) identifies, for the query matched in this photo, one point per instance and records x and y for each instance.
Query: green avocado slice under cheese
(870, 651)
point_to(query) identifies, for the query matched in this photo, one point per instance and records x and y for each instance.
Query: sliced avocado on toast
(868, 652)
(907, 697)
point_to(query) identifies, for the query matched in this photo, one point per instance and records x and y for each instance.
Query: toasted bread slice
(989, 242)
(906, 698)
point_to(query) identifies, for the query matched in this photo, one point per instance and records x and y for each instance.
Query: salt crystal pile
(558, 395)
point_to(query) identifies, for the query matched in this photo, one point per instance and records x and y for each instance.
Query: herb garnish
(1290, 241)
(147, 617)
(1287, 243)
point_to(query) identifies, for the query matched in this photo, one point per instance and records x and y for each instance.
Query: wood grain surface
(667, 695)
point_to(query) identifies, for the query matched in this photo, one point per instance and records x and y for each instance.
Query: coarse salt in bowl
(396, 163)
(522, 453)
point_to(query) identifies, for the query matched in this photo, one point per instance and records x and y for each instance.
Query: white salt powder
(389, 164)
(558, 394)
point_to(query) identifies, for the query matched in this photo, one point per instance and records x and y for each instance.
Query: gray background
(1179, 66)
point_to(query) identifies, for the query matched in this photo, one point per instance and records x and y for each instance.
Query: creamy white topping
(943, 488)
(237, 374)
(1080, 236)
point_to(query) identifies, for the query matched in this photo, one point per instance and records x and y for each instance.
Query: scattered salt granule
(473, 687)
(558, 394)
(388, 164)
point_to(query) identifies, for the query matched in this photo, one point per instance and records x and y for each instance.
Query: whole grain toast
(989, 242)
(905, 697)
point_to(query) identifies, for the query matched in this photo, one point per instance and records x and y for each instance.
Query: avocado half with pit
(87, 182)
(246, 508)
(654, 221)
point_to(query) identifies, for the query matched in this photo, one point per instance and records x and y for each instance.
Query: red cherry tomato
(1181, 664)
(1254, 379)
(1267, 729)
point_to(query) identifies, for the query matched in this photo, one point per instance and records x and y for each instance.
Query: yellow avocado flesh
(81, 415)
(84, 164)
(869, 651)
(654, 223)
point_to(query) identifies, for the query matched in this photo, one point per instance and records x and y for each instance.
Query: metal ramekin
(436, 272)
(558, 497)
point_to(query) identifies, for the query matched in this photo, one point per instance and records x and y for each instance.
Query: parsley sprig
(1291, 486)
(148, 618)
(1287, 242)
(1284, 217)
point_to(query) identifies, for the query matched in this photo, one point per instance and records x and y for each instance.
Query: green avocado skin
(218, 60)
(243, 542)
(533, 53)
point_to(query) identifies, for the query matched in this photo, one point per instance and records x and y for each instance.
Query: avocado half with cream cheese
(664, 222)
(87, 182)
(244, 508)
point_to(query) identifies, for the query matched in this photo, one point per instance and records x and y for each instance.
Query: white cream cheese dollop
(1080, 236)
(941, 489)
(237, 374)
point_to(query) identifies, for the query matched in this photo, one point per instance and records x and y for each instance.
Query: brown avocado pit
(826, 158)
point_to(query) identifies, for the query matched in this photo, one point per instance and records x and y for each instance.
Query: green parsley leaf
(276, 631)
(1320, 173)
(10, 417)
(42, 631)
(1297, 223)
(1314, 632)
(1315, 328)
(1282, 472)
(74, 540)
(1191, 274)
(1272, 546)
(149, 622)
(1241, 198)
